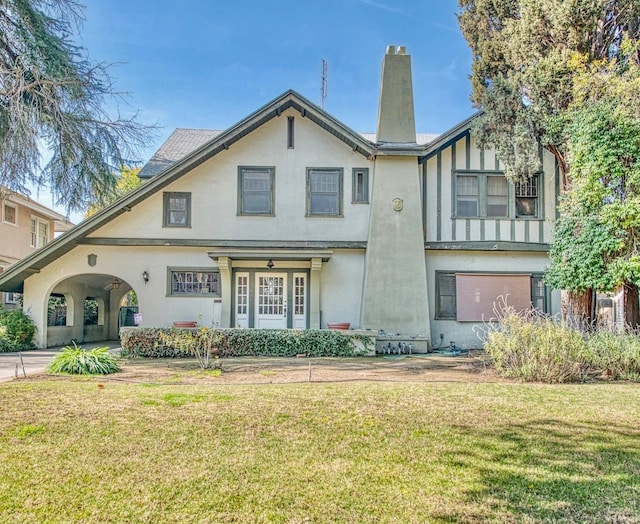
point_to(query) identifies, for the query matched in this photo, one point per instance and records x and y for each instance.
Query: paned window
(324, 192)
(491, 195)
(194, 282)
(177, 210)
(526, 193)
(446, 295)
(256, 190)
(9, 214)
(39, 232)
(242, 297)
(360, 184)
(299, 295)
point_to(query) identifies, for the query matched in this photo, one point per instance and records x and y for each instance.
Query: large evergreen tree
(54, 126)
(527, 57)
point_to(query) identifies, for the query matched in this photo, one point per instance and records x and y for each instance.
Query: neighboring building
(289, 219)
(25, 225)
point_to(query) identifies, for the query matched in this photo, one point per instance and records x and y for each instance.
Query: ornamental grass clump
(78, 361)
(534, 347)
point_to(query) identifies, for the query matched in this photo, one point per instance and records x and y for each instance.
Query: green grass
(72, 451)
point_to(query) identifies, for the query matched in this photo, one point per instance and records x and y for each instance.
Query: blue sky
(210, 63)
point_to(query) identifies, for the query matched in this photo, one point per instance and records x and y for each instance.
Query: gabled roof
(61, 222)
(448, 137)
(179, 144)
(13, 279)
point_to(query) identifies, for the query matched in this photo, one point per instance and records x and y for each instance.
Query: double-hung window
(324, 191)
(490, 195)
(256, 190)
(177, 209)
(39, 232)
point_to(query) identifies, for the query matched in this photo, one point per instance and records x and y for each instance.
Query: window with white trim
(324, 191)
(193, 282)
(9, 214)
(39, 232)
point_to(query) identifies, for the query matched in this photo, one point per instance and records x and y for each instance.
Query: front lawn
(99, 450)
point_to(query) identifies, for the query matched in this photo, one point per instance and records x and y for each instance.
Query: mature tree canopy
(524, 57)
(54, 127)
(127, 181)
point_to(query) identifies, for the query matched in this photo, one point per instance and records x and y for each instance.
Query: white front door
(271, 300)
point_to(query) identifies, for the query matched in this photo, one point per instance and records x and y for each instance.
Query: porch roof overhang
(266, 254)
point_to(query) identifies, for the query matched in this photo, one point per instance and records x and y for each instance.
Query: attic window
(177, 210)
(290, 131)
(9, 214)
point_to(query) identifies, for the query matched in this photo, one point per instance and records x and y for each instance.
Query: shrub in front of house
(537, 348)
(16, 330)
(152, 342)
(75, 360)
(618, 355)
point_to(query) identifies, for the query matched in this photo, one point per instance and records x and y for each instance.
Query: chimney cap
(401, 50)
(391, 50)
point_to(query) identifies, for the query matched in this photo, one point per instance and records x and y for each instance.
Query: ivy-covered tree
(527, 55)
(53, 106)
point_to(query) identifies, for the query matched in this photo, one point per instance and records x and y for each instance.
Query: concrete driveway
(37, 360)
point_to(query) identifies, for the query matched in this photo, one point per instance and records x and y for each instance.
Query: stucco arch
(106, 289)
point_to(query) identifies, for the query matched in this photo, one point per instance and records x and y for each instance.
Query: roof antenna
(323, 84)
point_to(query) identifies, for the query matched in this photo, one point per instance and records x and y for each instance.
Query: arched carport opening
(86, 308)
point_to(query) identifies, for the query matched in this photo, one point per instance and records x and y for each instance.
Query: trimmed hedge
(244, 342)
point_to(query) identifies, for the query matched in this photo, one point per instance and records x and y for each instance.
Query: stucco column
(79, 294)
(35, 305)
(225, 265)
(314, 293)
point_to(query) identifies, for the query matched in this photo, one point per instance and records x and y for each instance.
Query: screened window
(177, 210)
(324, 192)
(475, 296)
(39, 232)
(497, 196)
(194, 282)
(360, 185)
(255, 190)
(467, 196)
(9, 214)
(446, 295)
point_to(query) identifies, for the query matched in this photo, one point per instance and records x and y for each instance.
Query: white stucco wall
(341, 288)
(214, 190)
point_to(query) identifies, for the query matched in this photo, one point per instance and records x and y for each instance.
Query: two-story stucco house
(289, 219)
(25, 225)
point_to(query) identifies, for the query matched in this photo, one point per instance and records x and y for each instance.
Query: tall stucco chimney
(396, 119)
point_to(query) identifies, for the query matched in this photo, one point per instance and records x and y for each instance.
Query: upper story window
(9, 213)
(324, 191)
(491, 195)
(360, 185)
(176, 210)
(39, 232)
(256, 190)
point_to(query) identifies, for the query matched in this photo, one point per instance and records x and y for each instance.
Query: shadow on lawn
(551, 471)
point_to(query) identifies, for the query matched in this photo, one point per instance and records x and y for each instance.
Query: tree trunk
(577, 309)
(631, 307)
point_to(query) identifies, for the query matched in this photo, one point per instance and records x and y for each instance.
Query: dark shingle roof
(179, 144)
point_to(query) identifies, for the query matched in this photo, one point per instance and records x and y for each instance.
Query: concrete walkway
(37, 360)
